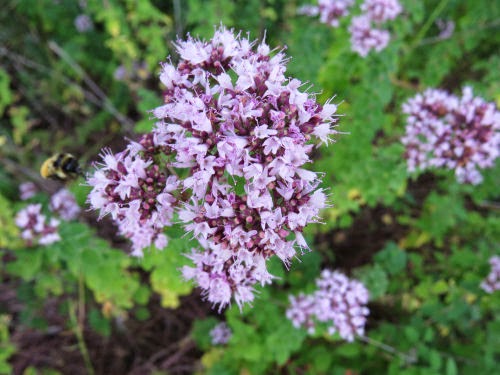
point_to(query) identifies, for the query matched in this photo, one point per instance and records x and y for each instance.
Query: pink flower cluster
(330, 11)
(27, 190)
(457, 133)
(364, 36)
(381, 10)
(220, 334)
(492, 281)
(339, 302)
(63, 203)
(238, 133)
(35, 228)
(133, 189)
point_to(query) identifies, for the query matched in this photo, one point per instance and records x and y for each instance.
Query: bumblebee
(62, 167)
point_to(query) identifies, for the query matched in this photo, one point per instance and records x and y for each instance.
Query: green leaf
(6, 97)
(201, 332)
(392, 259)
(451, 367)
(99, 323)
(27, 264)
(166, 278)
(375, 279)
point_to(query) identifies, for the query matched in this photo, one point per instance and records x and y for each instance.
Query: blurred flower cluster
(492, 281)
(27, 190)
(329, 11)
(63, 203)
(220, 334)
(227, 155)
(83, 22)
(339, 302)
(457, 133)
(366, 34)
(36, 228)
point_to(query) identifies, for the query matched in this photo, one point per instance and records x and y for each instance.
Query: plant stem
(432, 18)
(79, 336)
(108, 105)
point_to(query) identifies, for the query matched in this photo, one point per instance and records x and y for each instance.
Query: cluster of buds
(364, 28)
(220, 334)
(492, 281)
(339, 302)
(457, 133)
(35, 228)
(239, 133)
(131, 187)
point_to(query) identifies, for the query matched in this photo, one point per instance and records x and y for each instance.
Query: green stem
(430, 21)
(79, 336)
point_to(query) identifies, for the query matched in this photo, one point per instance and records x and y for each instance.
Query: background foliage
(419, 242)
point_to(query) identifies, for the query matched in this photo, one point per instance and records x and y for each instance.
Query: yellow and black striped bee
(62, 167)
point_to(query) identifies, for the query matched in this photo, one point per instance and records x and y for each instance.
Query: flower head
(35, 228)
(83, 23)
(27, 190)
(492, 281)
(220, 334)
(243, 129)
(136, 193)
(240, 133)
(457, 133)
(365, 38)
(64, 204)
(339, 302)
(381, 10)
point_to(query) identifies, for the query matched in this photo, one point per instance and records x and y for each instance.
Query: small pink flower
(220, 334)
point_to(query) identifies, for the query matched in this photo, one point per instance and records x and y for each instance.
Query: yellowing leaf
(410, 303)
(211, 357)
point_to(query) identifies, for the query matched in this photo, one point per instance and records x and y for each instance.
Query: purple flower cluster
(446, 28)
(63, 203)
(238, 132)
(83, 23)
(136, 192)
(35, 228)
(364, 36)
(492, 281)
(381, 10)
(27, 190)
(457, 133)
(330, 11)
(220, 334)
(339, 302)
